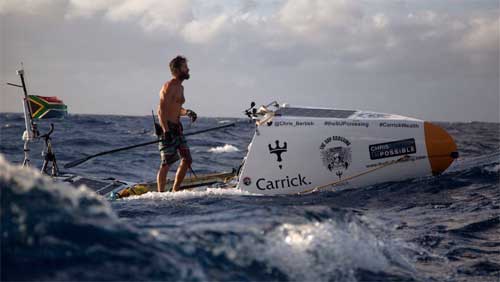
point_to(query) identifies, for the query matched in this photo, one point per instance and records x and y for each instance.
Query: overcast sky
(434, 60)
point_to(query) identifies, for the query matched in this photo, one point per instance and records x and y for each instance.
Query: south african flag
(43, 107)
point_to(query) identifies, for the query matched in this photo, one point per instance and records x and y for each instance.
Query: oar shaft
(77, 162)
(125, 148)
(156, 141)
(210, 129)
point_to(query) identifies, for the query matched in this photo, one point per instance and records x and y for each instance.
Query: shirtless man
(169, 112)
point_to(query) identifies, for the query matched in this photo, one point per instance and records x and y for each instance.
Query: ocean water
(442, 228)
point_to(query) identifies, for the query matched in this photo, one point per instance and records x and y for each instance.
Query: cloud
(154, 14)
(151, 15)
(482, 34)
(296, 32)
(201, 31)
(380, 21)
(87, 9)
(312, 19)
(271, 47)
(31, 7)
(347, 27)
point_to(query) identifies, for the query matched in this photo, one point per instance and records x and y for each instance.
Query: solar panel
(310, 112)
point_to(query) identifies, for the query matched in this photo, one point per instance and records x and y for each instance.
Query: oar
(80, 161)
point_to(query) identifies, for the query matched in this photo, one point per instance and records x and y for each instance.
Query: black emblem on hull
(278, 151)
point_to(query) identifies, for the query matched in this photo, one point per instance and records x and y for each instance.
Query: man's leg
(179, 176)
(161, 177)
(168, 154)
(183, 167)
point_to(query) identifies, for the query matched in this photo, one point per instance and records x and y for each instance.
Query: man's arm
(162, 114)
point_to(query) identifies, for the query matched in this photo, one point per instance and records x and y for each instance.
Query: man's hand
(192, 115)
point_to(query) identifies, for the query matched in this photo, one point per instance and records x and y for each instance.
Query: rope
(355, 175)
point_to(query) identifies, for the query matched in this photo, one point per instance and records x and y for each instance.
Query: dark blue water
(442, 228)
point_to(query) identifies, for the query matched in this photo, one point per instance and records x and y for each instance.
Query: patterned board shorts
(170, 151)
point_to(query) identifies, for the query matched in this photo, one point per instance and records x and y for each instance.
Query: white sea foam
(316, 251)
(223, 149)
(200, 192)
(23, 180)
(462, 164)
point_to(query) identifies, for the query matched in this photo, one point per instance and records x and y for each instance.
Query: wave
(58, 231)
(332, 251)
(488, 161)
(48, 228)
(223, 149)
(327, 245)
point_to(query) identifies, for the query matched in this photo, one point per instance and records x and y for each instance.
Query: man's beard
(184, 76)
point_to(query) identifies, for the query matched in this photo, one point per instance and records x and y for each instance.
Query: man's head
(179, 68)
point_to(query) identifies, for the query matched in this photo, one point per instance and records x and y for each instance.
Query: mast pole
(31, 131)
(28, 113)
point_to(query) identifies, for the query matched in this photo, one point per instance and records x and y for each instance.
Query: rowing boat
(298, 150)
(294, 150)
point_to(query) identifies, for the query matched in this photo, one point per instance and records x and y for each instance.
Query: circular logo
(247, 181)
(336, 154)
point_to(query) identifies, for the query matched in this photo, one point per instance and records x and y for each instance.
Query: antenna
(157, 127)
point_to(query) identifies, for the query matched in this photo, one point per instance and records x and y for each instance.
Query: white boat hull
(291, 154)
